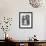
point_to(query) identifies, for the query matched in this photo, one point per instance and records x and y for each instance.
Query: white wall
(11, 8)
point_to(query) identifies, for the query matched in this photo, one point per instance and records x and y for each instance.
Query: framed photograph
(25, 20)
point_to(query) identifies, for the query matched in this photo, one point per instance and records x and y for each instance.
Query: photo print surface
(25, 20)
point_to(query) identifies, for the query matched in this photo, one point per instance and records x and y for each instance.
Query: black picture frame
(29, 20)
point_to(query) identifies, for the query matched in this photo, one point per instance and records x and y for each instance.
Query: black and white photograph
(25, 19)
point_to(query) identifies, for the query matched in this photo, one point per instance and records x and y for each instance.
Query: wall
(11, 8)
